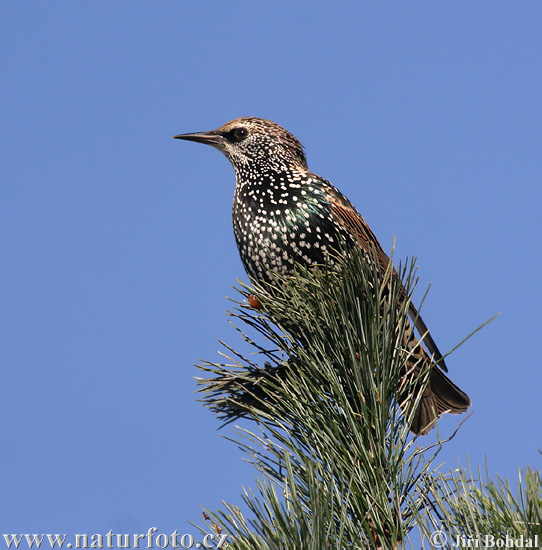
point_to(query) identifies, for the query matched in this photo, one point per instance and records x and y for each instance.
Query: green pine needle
(327, 386)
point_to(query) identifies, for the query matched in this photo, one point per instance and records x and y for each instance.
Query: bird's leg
(254, 302)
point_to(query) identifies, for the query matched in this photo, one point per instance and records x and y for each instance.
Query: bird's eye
(238, 134)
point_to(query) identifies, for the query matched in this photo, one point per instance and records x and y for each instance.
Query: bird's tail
(440, 395)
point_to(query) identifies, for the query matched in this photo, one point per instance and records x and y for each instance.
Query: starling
(284, 215)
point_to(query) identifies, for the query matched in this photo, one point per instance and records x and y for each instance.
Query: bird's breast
(278, 223)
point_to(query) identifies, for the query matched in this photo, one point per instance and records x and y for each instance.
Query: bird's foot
(254, 302)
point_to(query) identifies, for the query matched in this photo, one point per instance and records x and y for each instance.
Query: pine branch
(333, 400)
(469, 507)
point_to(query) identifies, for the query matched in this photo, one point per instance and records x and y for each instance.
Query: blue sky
(116, 242)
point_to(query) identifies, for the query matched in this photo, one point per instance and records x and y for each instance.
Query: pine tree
(332, 403)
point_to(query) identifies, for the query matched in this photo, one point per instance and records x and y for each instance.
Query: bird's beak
(209, 138)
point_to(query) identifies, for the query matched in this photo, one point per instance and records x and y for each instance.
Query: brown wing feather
(344, 211)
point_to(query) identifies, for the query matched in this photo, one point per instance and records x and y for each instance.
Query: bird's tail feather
(440, 395)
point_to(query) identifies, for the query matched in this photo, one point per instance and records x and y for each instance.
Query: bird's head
(254, 144)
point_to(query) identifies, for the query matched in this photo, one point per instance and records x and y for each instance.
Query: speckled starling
(283, 215)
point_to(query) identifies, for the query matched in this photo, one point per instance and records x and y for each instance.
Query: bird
(284, 215)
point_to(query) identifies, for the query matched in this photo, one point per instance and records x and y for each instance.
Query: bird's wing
(353, 222)
(343, 211)
(422, 329)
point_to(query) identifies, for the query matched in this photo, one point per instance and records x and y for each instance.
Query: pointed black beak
(209, 138)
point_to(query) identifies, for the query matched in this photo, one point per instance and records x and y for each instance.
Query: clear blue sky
(116, 243)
